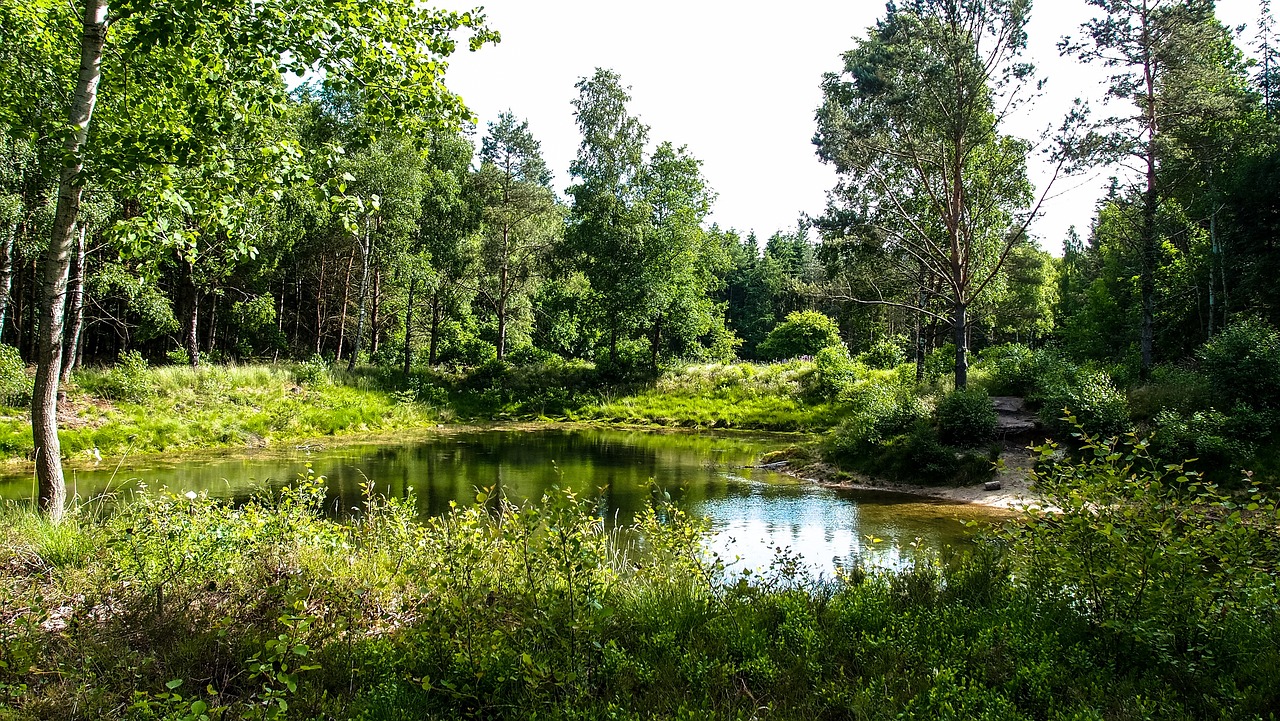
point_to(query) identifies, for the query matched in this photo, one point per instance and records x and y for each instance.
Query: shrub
(880, 410)
(1157, 560)
(803, 333)
(128, 380)
(312, 372)
(1243, 364)
(1093, 399)
(966, 418)
(1218, 441)
(15, 385)
(527, 355)
(178, 357)
(940, 362)
(1010, 367)
(834, 372)
(885, 354)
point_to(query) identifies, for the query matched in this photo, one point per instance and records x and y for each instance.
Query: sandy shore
(1015, 488)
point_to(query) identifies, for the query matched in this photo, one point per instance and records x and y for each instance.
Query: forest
(245, 224)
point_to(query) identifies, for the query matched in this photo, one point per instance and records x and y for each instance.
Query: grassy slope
(742, 395)
(209, 407)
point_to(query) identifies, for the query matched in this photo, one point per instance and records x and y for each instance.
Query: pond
(754, 512)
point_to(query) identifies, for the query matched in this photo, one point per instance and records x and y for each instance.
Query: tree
(608, 220)
(1128, 38)
(226, 59)
(521, 218)
(912, 126)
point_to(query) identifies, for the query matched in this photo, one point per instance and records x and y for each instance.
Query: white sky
(738, 83)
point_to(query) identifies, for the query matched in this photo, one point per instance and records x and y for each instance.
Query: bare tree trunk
(346, 300)
(6, 273)
(44, 403)
(366, 249)
(960, 336)
(373, 318)
(435, 328)
(408, 327)
(321, 295)
(75, 310)
(191, 314)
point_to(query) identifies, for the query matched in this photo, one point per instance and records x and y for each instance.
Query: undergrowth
(182, 607)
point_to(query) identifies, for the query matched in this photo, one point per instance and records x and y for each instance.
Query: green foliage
(178, 357)
(966, 418)
(803, 333)
(1090, 395)
(128, 380)
(312, 372)
(1243, 364)
(885, 354)
(1167, 568)
(1129, 593)
(881, 408)
(15, 383)
(834, 372)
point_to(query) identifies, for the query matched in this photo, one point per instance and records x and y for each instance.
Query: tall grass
(182, 607)
(178, 407)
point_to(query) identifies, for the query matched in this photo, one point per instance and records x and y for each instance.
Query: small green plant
(966, 418)
(313, 372)
(15, 384)
(886, 354)
(178, 357)
(834, 372)
(128, 380)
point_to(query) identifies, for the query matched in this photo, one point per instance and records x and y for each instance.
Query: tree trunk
(366, 249)
(435, 328)
(6, 273)
(346, 301)
(191, 314)
(655, 343)
(321, 295)
(960, 336)
(1150, 244)
(44, 403)
(374, 320)
(75, 309)
(408, 327)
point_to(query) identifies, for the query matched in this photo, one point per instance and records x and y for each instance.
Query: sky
(738, 83)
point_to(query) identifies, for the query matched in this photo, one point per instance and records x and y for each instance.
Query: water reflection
(755, 512)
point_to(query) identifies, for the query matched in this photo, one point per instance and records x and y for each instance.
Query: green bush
(885, 354)
(803, 333)
(312, 372)
(880, 410)
(966, 418)
(834, 372)
(178, 357)
(15, 385)
(1092, 398)
(1221, 443)
(940, 362)
(1010, 366)
(128, 380)
(1243, 364)
(1163, 565)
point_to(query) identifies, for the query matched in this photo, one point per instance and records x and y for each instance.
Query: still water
(753, 511)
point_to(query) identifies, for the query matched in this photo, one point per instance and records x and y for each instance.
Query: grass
(187, 608)
(176, 408)
(740, 395)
